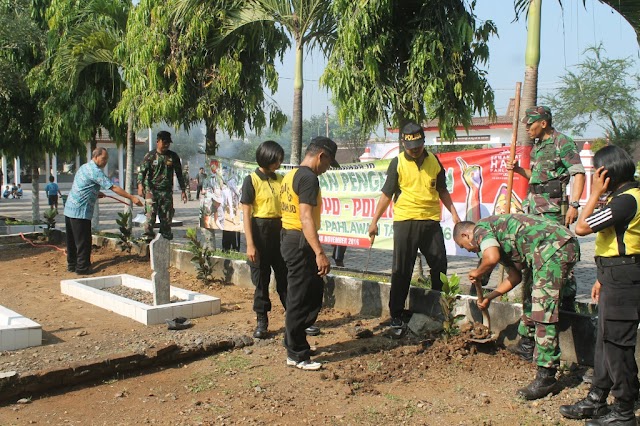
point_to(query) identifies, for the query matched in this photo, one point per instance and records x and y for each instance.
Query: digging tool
(366, 266)
(512, 152)
(486, 319)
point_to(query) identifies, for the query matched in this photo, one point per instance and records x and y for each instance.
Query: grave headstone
(160, 249)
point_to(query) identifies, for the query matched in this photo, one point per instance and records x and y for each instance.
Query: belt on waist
(291, 231)
(539, 188)
(617, 260)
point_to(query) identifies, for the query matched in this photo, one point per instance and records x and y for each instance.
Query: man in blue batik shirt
(78, 209)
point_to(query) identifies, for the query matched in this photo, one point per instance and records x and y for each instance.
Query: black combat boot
(544, 384)
(592, 407)
(261, 328)
(621, 414)
(524, 348)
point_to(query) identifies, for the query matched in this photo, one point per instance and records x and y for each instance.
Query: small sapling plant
(448, 296)
(201, 256)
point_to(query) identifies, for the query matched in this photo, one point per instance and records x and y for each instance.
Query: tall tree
(22, 44)
(80, 81)
(180, 69)
(600, 90)
(529, 97)
(309, 23)
(398, 60)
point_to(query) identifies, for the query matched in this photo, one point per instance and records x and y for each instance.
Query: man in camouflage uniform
(186, 180)
(549, 251)
(554, 161)
(155, 184)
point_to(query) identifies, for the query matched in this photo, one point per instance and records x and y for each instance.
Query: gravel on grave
(138, 295)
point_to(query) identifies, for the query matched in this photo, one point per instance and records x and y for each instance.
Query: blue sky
(565, 36)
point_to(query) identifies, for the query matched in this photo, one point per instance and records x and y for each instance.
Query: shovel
(486, 319)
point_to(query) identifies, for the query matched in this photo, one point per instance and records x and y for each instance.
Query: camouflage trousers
(571, 285)
(540, 306)
(159, 203)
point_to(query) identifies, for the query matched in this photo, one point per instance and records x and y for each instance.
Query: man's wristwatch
(575, 204)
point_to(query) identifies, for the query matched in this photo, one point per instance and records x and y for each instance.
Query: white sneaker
(304, 365)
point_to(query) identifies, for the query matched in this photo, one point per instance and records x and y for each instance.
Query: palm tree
(310, 24)
(82, 74)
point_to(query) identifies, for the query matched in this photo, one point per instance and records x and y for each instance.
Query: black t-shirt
(307, 186)
(391, 185)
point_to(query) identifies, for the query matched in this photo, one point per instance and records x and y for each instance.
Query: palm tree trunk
(296, 122)
(532, 60)
(95, 220)
(210, 149)
(35, 191)
(129, 178)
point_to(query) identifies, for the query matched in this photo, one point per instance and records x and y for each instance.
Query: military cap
(536, 113)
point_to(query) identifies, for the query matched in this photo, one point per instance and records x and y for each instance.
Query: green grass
(201, 383)
(235, 255)
(232, 363)
(422, 283)
(373, 365)
(366, 277)
(9, 221)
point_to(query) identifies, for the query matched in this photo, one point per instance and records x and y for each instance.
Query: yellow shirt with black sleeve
(618, 223)
(300, 185)
(262, 191)
(414, 189)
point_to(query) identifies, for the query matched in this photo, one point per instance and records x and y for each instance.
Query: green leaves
(201, 256)
(415, 59)
(125, 227)
(448, 297)
(599, 88)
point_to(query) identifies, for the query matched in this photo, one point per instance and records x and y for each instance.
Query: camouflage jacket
(524, 239)
(554, 158)
(156, 171)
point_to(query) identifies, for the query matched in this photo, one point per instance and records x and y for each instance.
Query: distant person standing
(78, 209)
(155, 184)
(186, 180)
(52, 191)
(202, 178)
(307, 263)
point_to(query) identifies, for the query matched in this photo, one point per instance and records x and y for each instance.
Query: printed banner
(477, 181)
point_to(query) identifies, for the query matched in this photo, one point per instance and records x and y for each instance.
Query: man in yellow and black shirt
(301, 203)
(416, 181)
(616, 290)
